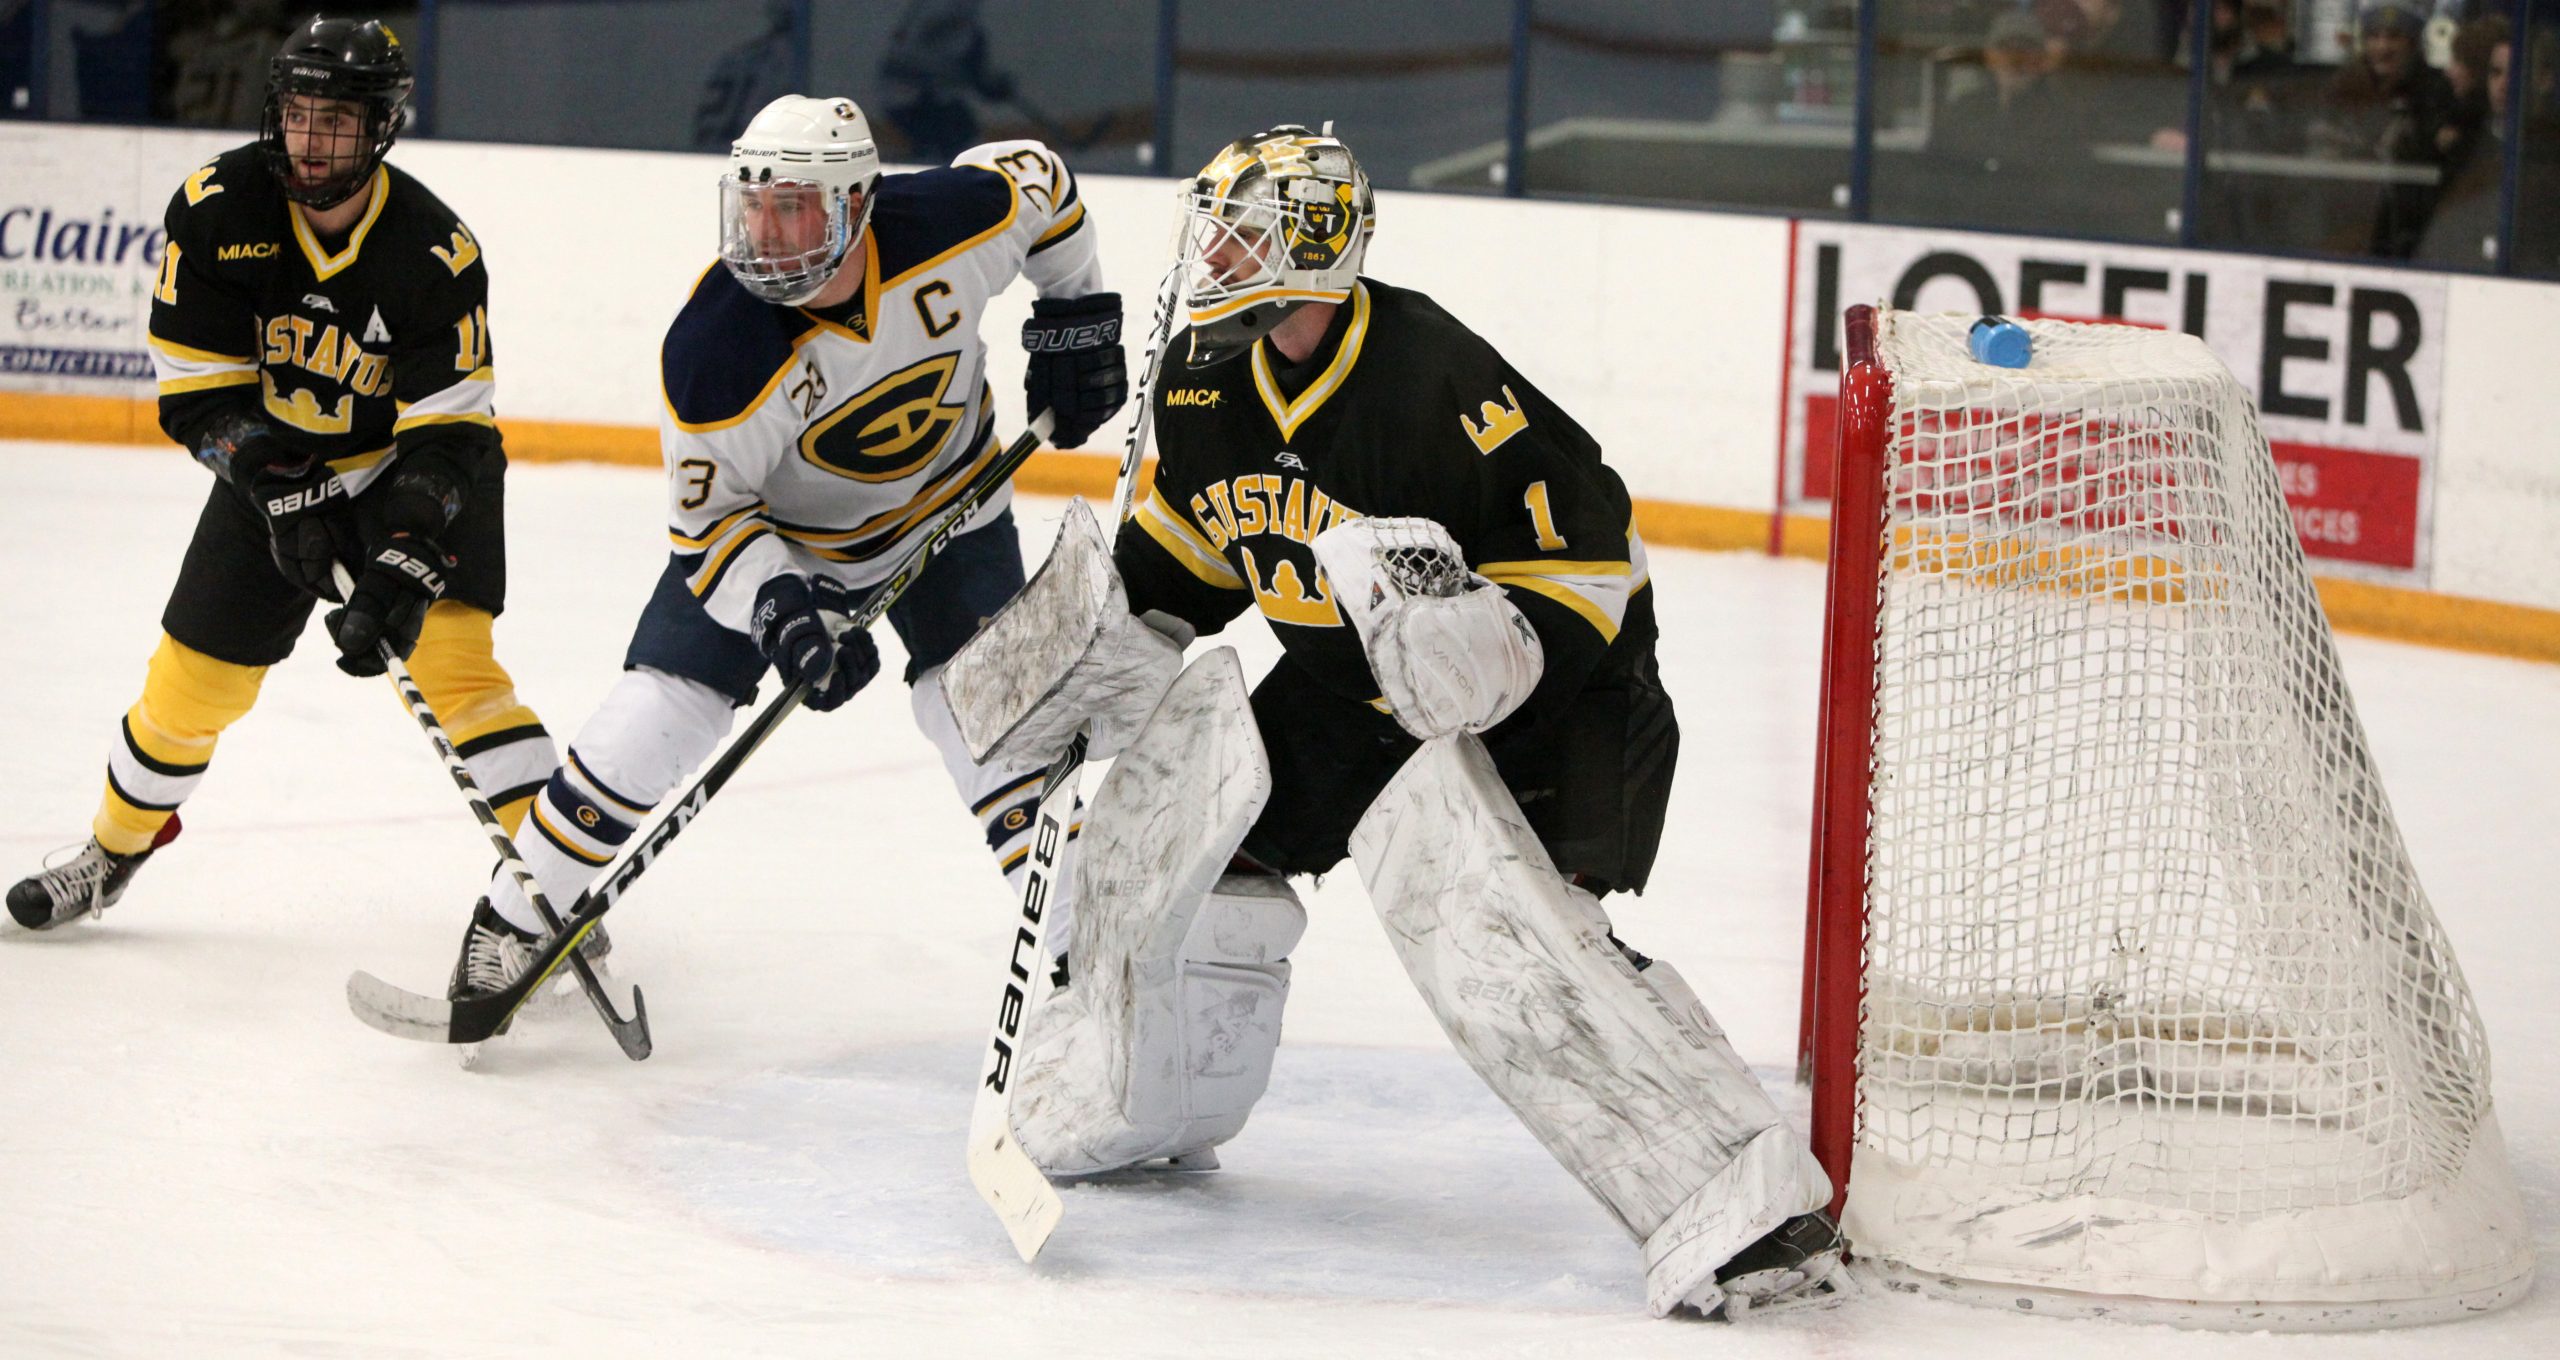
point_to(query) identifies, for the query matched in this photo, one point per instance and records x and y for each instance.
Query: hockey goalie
(1467, 706)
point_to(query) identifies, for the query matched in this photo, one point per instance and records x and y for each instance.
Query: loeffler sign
(2344, 363)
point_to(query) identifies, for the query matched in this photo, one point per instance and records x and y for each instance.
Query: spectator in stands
(2252, 92)
(2112, 69)
(2387, 105)
(2012, 122)
(2465, 226)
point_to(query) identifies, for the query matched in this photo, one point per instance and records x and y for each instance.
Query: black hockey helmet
(357, 60)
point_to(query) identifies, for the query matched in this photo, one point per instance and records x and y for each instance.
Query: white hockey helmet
(1278, 220)
(796, 196)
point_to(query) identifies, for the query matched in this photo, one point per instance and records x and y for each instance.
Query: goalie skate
(1798, 1265)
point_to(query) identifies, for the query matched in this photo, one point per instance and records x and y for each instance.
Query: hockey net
(2122, 993)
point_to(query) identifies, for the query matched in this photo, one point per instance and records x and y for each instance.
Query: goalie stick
(631, 1033)
(1007, 1179)
(473, 1019)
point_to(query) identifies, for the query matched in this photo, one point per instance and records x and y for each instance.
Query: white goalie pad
(1451, 653)
(1062, 654)
(1162, 1041)
(1630, 1085)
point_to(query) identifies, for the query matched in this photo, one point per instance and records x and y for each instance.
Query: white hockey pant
(1163, 1039)
(652, 731)
(1621, 1074)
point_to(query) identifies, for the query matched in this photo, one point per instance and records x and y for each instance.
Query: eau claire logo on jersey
(891, 429)
(1193, 396)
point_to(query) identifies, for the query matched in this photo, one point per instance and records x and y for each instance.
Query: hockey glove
(1451, 653)
(309, 527)
(1077, 369)
(790, 627)
(404, 572)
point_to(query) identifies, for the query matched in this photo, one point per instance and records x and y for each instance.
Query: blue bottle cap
(2001, 342)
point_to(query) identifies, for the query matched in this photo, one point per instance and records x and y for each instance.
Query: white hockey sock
(650, 732)
(1005, 801)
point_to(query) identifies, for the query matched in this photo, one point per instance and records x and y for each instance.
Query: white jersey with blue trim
(819, 441)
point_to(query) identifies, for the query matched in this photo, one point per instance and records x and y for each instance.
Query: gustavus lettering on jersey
(328, 352)
(1267, 502)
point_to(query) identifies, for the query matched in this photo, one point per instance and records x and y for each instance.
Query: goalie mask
(796, 196)
(1278, 220)
(337, 94)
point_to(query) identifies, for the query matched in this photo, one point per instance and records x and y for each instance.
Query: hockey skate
(1797, 1265)
(495, 953)
(86, 884)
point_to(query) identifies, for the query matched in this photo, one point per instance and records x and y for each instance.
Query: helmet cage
(1276, 222)
(800, 158)
(754, 213)
(340, 61)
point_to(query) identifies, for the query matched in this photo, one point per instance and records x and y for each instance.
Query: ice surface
(202, 1153)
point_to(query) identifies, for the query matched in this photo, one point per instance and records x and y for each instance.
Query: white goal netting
(2155, 1005)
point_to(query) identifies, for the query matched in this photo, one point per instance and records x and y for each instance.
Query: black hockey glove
(309, 526)
(1077, 369)
(790, 629)
(404, 571)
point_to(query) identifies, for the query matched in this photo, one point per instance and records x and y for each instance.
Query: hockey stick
(632, 1033)
(1007, 1179)
(472, 1019)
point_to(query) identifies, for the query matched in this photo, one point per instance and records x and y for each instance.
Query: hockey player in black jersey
(1467, 705)
(320, 328)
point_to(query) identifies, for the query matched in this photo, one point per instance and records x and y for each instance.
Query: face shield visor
(783, 239)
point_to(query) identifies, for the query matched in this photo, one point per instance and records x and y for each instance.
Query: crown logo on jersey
(1499, 423)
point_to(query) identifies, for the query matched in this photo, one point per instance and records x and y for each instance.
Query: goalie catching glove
(1451, 653)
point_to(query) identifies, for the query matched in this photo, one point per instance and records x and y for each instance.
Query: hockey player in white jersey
(1467, 706)
(825, 394)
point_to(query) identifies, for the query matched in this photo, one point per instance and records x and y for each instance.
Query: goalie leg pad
(1625, 1079)
(1162, 1040)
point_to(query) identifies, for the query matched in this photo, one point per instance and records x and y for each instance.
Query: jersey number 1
(1543, 518)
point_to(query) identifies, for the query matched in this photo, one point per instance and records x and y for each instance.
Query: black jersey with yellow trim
(351, 346)
(1400, 410)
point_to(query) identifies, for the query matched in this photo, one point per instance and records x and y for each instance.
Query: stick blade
(1012, 1185)
(397, 1011)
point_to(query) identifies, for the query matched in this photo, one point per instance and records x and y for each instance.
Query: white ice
(202, 1153)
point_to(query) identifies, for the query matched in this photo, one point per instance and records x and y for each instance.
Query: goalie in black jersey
(1468, 706)
(320, 329)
